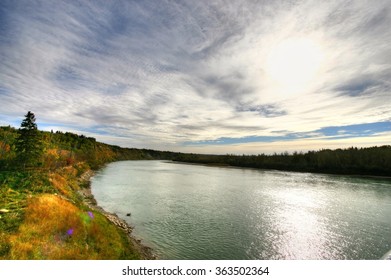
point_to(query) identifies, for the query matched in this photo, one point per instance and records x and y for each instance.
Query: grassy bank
(44, 217)
(43, 209)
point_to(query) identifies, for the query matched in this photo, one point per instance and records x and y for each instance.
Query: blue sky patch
(332, 132)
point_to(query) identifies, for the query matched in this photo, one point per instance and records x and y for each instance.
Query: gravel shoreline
(146, 252)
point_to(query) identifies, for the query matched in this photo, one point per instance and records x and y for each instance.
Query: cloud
(164, 74)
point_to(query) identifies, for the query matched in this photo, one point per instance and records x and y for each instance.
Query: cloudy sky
(201, 76)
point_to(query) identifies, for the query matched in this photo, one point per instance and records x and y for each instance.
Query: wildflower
(90, 214)
(70, 231)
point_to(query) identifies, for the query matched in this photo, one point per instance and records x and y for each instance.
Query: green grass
(13, 197)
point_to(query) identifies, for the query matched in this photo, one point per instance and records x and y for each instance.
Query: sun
(293, 63)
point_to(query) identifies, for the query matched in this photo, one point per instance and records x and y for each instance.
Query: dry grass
(60, 183)
(64, 181)
(54, 228)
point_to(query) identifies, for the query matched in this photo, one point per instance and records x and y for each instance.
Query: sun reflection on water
(297, 226)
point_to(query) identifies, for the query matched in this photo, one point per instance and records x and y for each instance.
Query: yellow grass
(59, 183)
(64, 180)
(54, 228)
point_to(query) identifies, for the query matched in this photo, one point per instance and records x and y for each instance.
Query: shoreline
(223, 165)
(145, 252)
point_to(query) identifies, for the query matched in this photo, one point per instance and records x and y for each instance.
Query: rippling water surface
(188, 211)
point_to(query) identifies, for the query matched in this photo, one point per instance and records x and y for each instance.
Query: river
(186, 211)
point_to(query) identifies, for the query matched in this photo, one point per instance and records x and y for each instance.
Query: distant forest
(62, 149)
(374, 161)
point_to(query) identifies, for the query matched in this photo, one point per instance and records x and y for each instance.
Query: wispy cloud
(163, 74)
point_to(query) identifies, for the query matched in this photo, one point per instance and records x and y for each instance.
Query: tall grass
(54, 228)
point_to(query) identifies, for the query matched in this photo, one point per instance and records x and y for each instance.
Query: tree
(29, 147)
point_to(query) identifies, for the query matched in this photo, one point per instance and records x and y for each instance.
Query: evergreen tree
(29, 145)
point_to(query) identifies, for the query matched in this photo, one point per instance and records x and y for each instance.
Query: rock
(128, 214)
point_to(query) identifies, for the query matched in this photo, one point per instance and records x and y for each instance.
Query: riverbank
(51, 215)
(144, 251)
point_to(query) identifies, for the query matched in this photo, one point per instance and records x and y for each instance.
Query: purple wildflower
(70, 231)
(90, 214)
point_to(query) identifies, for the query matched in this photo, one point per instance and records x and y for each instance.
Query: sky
(241, 77)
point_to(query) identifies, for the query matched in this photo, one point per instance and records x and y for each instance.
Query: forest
(372, 161)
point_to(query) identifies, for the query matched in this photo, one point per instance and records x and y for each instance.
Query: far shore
(226, 165)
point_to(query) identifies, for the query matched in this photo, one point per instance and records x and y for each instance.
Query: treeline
(62, 149)
(364, 161)
(59, 149)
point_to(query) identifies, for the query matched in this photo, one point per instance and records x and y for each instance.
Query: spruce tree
(29, 145)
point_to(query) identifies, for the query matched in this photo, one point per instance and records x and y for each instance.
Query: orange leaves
(4, 149)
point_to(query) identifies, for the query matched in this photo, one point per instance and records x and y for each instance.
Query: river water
(188, 211)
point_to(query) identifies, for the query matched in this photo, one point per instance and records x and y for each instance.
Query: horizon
(200, 77)
(289, 153)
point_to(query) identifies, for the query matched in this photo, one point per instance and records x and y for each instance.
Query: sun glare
(294, 63)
